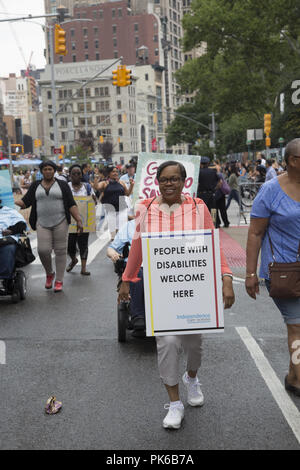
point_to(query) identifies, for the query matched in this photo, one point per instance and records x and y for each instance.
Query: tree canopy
(252, 55)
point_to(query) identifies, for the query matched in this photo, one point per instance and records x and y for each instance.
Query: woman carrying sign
(167, 211)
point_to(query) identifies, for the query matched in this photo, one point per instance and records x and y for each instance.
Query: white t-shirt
(82, 190)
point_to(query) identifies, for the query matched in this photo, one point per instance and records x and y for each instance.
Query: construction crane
(27, 65)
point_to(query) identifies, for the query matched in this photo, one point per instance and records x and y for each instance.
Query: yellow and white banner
(87, 210)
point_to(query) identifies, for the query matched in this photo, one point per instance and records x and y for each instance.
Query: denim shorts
(289, 308)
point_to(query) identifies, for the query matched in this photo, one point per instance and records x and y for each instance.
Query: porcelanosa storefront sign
(182, 282)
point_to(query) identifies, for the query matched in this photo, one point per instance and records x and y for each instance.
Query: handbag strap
(272, 250)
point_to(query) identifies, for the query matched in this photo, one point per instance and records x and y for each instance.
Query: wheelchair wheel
(122, 321)
(21, 284)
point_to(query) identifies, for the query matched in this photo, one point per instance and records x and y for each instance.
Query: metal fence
(247, 193)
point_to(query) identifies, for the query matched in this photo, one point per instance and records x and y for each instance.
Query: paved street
(66, 344)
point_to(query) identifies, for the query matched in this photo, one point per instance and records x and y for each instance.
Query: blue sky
(29, 34)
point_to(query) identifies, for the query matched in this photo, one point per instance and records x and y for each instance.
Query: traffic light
(37, 142)
(268, 142)
(115, 78)
(122, 76)
(60, 40)
(267, 121)
(101, 139)
(62, 149)
(128, 77)
(1, 143)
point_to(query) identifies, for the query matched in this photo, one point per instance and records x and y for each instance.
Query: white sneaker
(174, 417)
(195, 395)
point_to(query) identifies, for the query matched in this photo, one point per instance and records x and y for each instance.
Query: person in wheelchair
(12, 224)
(118, 252)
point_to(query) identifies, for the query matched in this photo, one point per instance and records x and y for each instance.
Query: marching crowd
(50, 190)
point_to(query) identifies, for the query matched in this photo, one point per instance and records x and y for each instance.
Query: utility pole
(53, 91)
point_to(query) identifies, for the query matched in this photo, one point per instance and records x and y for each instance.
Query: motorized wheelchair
(124, 315)
(16, 285)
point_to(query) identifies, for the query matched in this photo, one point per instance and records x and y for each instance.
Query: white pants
(169, 349)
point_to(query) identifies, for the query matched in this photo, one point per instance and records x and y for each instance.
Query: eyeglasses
(173, 179)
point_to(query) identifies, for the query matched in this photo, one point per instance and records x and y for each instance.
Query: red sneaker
(58, 286)
(49, 281)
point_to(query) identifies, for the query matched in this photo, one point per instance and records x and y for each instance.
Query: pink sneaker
(49, 281)
(58, 286)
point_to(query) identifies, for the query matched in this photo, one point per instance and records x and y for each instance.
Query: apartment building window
(86, 57)
(63, 122)
(96, 44)
(96, 31)
(155, 38)
(116, 55)
(113, 13)
(121, 147)
(114, 29)
(102, 106)
(102, 91)
(120, 132)
(119, 104)
(97, 56)
(73, 46)
(136, 41)
(49, 95)
(86, 44)
(115, 42)
(156, 52)
(74, 58)
(63, 136)
(72, 33)
(120, 12)
(95, 14)
(118, 90)
(136, 26)
(120, 118)
(85, 32)
(50, 122)
(100, 14)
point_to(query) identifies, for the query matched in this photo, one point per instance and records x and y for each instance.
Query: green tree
(252, 54)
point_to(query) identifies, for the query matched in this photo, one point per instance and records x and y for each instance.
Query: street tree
(251, 55)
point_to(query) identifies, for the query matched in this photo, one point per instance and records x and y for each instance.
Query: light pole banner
(182, 283)
(146, 185)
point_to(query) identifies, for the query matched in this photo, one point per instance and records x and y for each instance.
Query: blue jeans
(137, 303)
(7, 261)
(234, 194)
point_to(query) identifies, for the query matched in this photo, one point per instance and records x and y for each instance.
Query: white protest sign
(146, 185)
(182, 283)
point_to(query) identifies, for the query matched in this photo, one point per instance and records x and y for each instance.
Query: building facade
(101, 108)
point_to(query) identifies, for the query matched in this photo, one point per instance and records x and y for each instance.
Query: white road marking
(285, 403)
(2, 353)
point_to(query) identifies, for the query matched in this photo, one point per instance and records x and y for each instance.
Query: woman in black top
(113, 199)
(52, 205)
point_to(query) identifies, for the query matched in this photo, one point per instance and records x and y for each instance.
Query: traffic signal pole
(53, 92)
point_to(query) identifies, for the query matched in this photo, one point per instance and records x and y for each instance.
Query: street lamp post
(249, 142)
(281, 142)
